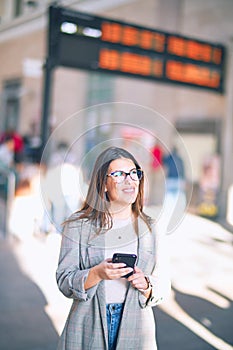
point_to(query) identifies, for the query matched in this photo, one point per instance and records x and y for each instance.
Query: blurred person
(32, 144)
(62, 186)
(175, 173)
(7, 152)
(18, 144)
(209, 186)
(175, 196)
(109, 311)
(26, 211)
(62, 154)
(15, 152)
(7, 160)
(157, 175)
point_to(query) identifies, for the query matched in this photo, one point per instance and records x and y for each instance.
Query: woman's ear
(106, 194)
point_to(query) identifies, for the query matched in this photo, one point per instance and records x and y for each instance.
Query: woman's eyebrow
(123, 170)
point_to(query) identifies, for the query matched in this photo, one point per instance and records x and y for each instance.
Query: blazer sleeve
(160, 280)
(69, 275)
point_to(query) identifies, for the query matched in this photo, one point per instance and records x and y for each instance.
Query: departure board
(80, 40)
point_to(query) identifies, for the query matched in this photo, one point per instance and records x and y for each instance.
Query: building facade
(89, 108)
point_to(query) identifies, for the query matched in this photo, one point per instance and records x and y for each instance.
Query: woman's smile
(128, 190)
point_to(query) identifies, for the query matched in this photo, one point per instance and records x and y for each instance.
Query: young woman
(109, 311)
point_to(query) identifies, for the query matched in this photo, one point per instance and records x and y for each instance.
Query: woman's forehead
(124, 164)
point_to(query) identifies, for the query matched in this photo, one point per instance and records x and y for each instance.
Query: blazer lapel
(96, 249)
(145, 246)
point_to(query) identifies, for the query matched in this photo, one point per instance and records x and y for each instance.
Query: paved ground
(24, 324)
(198, 316)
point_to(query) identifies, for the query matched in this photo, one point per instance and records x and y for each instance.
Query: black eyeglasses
(120, 175)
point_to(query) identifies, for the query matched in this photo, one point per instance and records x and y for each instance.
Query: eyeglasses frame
(126, 174)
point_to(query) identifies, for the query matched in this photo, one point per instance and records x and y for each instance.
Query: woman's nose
(128, 178)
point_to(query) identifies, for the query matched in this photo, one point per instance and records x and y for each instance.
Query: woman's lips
(128, 190)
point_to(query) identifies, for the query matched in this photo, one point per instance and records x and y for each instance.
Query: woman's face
(125, 192)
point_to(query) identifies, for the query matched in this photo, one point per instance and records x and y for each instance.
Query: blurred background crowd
(88, 107)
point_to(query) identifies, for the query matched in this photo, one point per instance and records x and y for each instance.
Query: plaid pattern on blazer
(86, 325)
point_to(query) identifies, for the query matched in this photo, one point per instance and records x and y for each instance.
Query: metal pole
(11, 180)
(45, 124)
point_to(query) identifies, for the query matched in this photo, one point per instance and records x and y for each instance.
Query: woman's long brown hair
(96, 205)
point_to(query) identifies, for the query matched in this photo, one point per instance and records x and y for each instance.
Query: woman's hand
(139, 282)
(106, 270)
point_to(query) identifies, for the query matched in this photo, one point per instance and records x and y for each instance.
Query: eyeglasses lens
(137, 174)
(134, 175)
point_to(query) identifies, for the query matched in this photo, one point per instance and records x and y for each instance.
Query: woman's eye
(117, 173)
(134, 172)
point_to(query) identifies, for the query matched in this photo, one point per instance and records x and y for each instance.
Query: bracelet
(149, 286)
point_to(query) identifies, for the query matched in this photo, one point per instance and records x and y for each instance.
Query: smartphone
(128, 259)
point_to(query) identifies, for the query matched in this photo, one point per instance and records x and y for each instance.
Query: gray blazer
(86, 325)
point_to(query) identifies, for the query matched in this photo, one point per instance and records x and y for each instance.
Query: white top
(121, 238)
